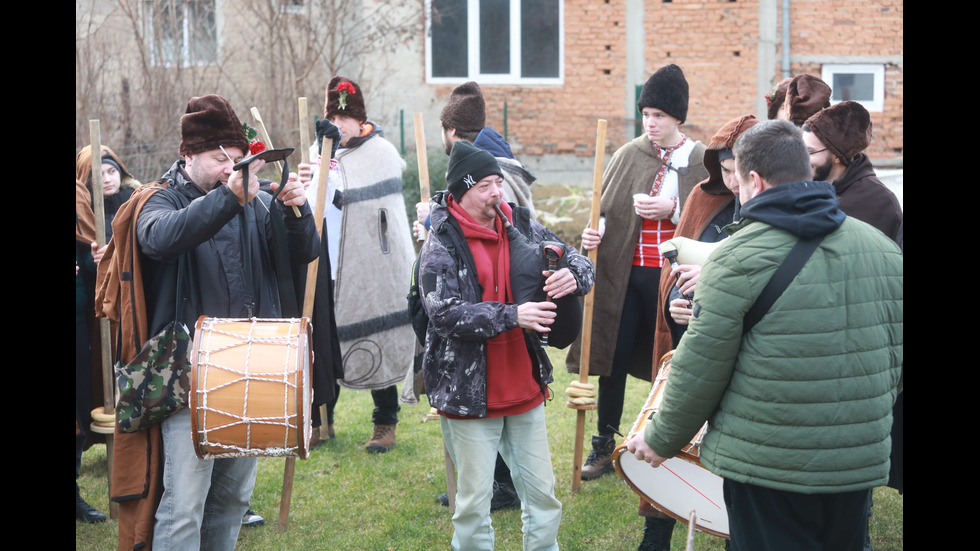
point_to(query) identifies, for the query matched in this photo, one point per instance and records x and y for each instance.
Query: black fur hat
(667, 90)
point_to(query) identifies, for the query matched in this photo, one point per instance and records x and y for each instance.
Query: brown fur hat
(209, 123)
(805, 95)
(667, 90)
(720, 148)
(353, 107)
(845, 129)
(776, 97)
(466, 110)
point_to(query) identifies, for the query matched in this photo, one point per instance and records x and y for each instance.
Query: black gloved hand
(325, 128)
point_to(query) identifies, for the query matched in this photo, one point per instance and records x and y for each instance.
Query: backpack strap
(781, 279)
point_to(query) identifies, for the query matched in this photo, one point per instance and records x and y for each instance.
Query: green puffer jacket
(802, 402)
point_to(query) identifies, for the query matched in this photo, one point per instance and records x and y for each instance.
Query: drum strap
(781, 279)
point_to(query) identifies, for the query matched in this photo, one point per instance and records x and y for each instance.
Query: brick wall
(716, 43)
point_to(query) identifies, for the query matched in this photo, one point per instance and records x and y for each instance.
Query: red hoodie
(511, 386)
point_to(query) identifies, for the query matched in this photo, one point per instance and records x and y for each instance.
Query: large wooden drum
(250, 387)
(680, 485)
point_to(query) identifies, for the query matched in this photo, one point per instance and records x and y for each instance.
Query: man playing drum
(200, 211)
(800, 405)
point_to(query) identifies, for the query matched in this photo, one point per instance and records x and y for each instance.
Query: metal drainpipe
(786, 63)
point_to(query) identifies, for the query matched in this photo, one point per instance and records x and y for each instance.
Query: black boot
(84, 511)
(599, 461)
(656, 534)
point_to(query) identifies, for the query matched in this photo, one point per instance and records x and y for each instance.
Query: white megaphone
(681, 250)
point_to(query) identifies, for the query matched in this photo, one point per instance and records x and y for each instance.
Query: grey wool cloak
(374, 266)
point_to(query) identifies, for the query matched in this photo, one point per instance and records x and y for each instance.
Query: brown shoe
(599, 461)
(383, 439)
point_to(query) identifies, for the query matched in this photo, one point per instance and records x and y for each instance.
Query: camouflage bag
(156, 384)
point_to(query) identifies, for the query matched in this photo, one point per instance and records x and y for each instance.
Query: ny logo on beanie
(469, 181)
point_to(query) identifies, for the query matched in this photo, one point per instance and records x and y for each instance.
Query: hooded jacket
(461, 322)
(803, 401)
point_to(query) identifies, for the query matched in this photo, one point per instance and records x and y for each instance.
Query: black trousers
(636, 328)
(763, 519)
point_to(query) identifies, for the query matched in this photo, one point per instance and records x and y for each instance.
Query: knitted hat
(805, 95)
(210, 123)
(720, 148)
(466, 111)
(666, 90)
(844, 128)
(776, 97)
(344, 97)
(468, 164)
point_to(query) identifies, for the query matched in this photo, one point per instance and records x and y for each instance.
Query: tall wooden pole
(583, 371)
(308, 296)
(105, 330)
(422, 155)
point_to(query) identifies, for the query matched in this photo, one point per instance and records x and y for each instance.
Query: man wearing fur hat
(485, 369)
(796, 99)
(836, 138)
(197, 213)
(644, 189)
(464, 117)
(371, 255)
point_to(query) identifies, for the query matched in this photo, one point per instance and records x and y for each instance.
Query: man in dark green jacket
(799, 407)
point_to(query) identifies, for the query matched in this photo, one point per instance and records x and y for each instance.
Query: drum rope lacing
(286, 378)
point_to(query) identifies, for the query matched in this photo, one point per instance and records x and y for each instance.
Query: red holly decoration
(255, 147)
(343, 89)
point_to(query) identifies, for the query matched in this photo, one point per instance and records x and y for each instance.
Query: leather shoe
(504, 497)
(84, 511)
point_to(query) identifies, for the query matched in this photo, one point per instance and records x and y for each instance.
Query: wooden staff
(583, 370)
(105, 330)
(422, 155)
(424, 196)
(308, 295)
(268, 143)
(304, 139)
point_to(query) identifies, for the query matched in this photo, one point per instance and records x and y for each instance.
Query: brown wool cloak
(631, 170)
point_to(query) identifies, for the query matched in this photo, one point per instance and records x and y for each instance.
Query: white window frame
(185, 36)
(877, 103)
(473, 49)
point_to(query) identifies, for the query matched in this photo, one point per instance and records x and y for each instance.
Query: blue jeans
(203, 500)
(522, 440)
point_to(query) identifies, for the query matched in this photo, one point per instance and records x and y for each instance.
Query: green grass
(345, 499)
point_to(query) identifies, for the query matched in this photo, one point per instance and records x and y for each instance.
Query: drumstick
(268, 144)
(583, 370)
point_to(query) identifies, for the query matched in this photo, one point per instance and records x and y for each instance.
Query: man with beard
(836, 138)
(799, 397)
(485, 369)
(201, 218)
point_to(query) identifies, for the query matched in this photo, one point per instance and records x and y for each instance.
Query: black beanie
(666, 90)
(468, 164)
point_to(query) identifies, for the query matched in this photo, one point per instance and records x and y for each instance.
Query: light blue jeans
(203, 500)
(523, 442)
